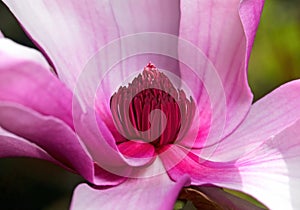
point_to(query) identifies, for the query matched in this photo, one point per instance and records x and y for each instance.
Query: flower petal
(98, 139)
(271, 172)
(250, 12)
(105, 178)
(50, 134)
(215, 27)
(71, 33)
(25, 79)
(154, 192)
(102, 146)
(15, 146)
(11, 51)
(179, 161)
(139, 151)
(267, 117)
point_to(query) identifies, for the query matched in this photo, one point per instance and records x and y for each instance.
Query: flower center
(151, 109)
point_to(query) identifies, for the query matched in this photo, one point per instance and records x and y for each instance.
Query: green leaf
(179, 205)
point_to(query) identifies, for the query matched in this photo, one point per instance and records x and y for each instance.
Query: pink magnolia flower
(229, 143)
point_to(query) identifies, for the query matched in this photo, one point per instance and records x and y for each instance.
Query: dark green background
(34, 184)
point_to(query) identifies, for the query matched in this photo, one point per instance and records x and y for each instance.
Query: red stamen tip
(150, 65)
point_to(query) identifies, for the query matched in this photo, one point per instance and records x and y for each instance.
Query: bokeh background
(33, 184)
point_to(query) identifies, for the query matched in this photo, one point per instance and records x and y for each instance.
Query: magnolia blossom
(138, 136)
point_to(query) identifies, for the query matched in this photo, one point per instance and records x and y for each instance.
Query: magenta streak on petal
(138, 150)
(179, 161)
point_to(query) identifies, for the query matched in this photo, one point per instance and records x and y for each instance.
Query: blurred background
(33, 184)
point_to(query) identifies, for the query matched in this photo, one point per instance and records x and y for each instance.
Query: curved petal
(16, 146)
(102, 146)
(250, 12)
(72, 32)
(105, 178)
(10, 51)
(271, 172)
(138, 150)
(25, 79)
(267, 117)
(215, 27)
(48, 133)
(179, 161)
(157, 192)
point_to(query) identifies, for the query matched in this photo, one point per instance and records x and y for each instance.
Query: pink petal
(268, 117)
(101, 144)
(271, 172)
(97, 138)
(25, 79)
(179, 161)
(1, 35)
(48, 133)
(250, 11)
(138, 151)
(154, 192)
(105, 178)
(71, 33)
(11, 51)
(265, 150)
(217, 29)
(15, 146)
(97, 96)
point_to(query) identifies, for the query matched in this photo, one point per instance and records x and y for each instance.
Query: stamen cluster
(152, 90)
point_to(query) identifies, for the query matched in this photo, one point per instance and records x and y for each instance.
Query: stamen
(150, 91)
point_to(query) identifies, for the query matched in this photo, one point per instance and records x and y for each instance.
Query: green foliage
(276, 53)
(179, 205)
